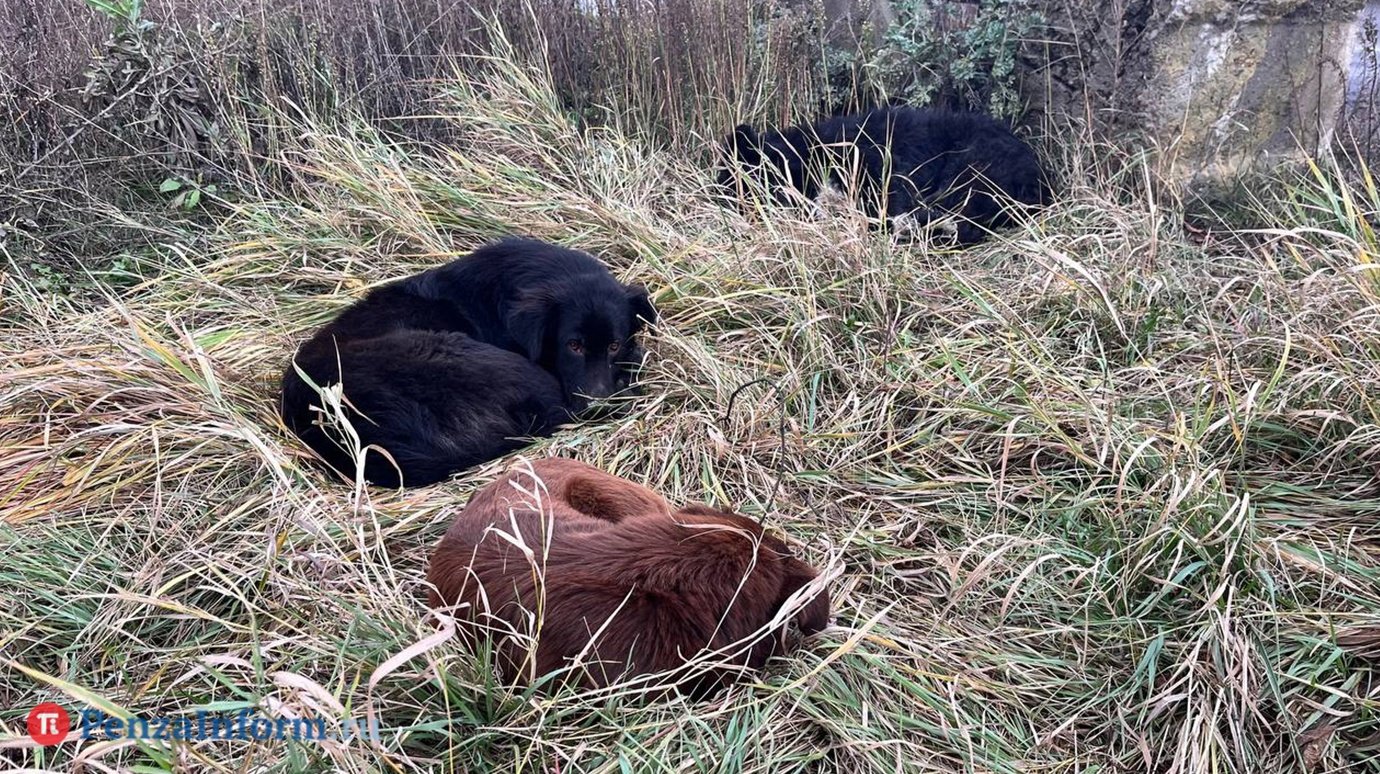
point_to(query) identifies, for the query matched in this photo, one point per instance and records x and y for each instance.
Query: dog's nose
(599, 389)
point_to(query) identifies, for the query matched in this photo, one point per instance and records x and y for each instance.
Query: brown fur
(616, 575)
(568, 485)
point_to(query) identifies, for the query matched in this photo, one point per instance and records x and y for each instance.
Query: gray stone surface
(1218, 85)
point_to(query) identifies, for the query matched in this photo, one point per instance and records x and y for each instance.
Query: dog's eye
(576, 346)
(613, 348)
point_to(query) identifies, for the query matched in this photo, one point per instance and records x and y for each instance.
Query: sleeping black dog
(455, 366)
(917, 163)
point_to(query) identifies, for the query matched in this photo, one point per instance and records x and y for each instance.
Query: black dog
(453, 366)
(900, 160)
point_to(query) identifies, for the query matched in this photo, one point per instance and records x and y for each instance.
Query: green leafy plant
(145, 88)
(47, 279)
(188, 193)
(122, 11)
(937, 52)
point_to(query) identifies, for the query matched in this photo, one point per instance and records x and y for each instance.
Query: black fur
(454, 366)
(900, 160)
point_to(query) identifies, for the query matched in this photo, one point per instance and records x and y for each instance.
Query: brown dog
(610, 582)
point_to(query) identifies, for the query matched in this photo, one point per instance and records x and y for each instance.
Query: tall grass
(679, 70)
(101, 116)
(1100, 494)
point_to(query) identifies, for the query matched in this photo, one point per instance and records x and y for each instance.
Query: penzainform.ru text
(50, 724)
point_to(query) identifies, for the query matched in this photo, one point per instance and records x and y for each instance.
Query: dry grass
(96, 115)
(183, 90)
(1100, 497)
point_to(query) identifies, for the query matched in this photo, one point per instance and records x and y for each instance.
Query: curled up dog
(592, 579)
(461, 364)
(906, 165)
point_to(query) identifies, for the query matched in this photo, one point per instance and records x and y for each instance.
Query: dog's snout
(599, 388)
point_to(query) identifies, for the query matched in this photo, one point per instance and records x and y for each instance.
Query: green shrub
(958, 55)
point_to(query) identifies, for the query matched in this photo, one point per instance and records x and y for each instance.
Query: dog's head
(773, 562)
(773, 161)
(737, 153)
(583, 330)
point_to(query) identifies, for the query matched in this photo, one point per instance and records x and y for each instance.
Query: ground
(1097, 495)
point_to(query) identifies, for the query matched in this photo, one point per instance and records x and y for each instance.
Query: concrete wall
(1220, 86)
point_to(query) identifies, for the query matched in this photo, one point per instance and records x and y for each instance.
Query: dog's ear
(640, 304)
(814, 615)
(528, 321)
(793, 145)
(744, 145)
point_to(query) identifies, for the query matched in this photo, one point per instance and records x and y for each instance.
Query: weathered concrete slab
(1220, 86)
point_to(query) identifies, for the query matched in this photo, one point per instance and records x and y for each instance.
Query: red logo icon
(48, 724)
